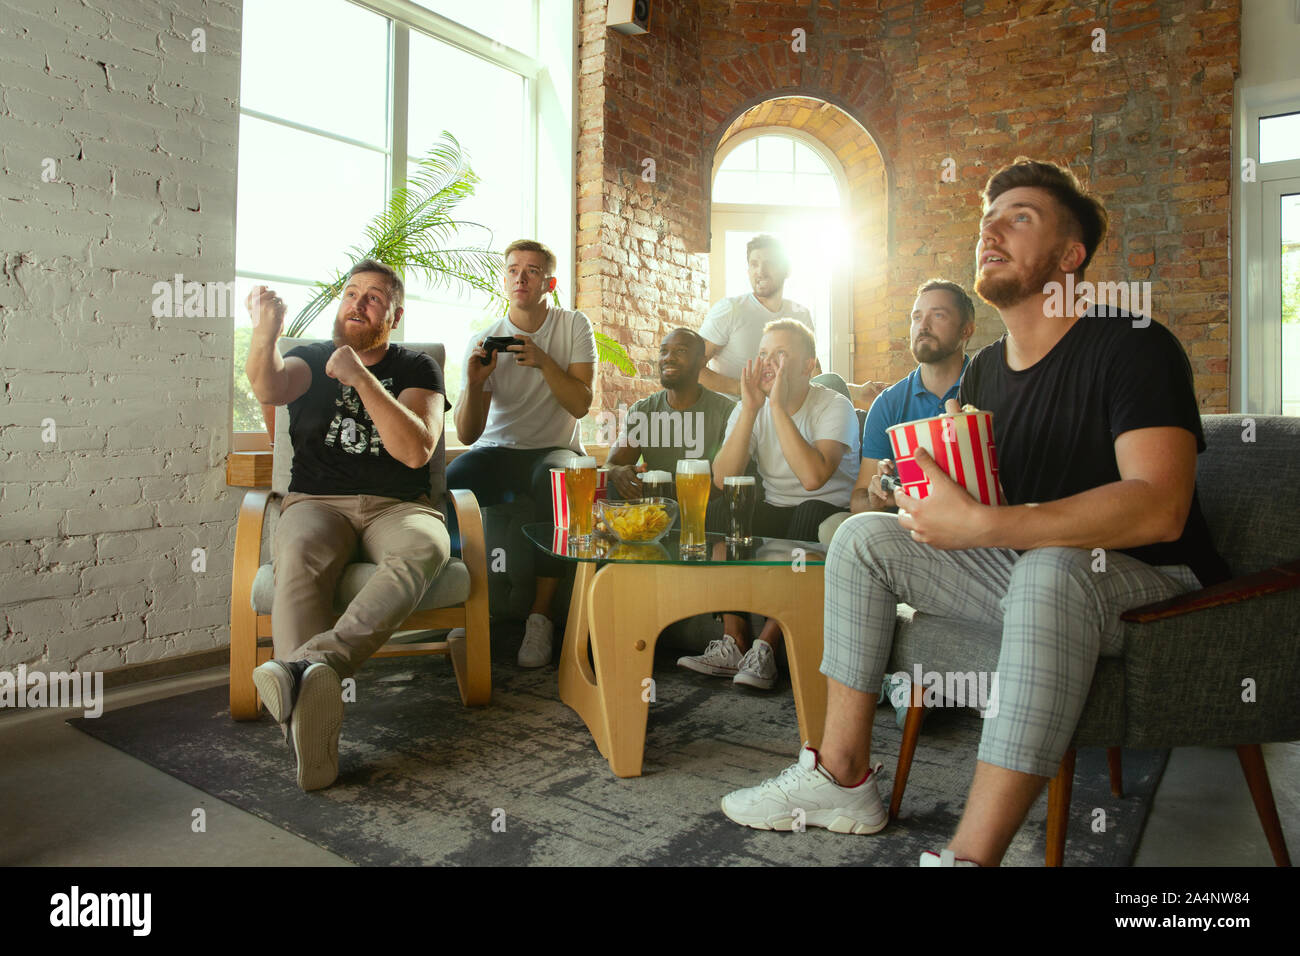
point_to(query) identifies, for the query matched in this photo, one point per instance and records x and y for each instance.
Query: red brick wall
(640, 272)
(1144, 124)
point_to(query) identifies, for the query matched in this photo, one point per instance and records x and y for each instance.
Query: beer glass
(580, 489)
(693, 481)
(740, 492)
(657, 484)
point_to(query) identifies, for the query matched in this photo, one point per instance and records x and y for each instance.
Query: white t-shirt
(824, 414)
(525, 412)
(736, 325)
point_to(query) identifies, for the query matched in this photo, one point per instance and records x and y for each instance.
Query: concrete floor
(66, 799)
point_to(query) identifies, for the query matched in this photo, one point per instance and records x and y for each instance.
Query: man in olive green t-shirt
(685, 420)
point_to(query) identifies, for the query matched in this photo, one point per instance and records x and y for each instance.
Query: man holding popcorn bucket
(1097, 431)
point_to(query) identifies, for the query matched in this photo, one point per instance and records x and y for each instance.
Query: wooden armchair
(457, 598)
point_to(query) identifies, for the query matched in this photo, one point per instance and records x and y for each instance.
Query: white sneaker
(720, 659)
(535, 651)
(314, 726)
(946, 858)
(774, 804)
(758, 667)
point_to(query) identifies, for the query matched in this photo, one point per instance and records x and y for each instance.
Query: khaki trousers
(316, 538)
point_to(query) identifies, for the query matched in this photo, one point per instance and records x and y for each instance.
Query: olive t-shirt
(664, 435)
(337, 450)
(1055, 423)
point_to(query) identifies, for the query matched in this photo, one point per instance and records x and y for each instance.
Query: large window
(339, 99)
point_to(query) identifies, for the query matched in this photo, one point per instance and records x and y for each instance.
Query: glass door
(1281, 279)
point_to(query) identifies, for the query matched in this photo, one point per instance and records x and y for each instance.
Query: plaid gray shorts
(1056, 614)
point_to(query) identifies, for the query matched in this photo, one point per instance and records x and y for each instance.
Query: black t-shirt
(1055, 423)
(336, 447)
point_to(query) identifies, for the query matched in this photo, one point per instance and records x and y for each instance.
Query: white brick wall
(97, 528)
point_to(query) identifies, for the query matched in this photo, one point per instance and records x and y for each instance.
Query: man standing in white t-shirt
(520, 409)
(804, 438)
(734, 325)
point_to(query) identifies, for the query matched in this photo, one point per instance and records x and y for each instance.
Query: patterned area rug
(423, 779)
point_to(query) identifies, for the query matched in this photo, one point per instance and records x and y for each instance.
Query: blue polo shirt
(905, 401)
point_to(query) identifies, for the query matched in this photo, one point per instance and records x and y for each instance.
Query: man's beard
(930, 351)
(362, 339)
(678, 378)
(1007, 291)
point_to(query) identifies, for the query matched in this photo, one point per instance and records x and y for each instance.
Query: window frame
(1255, 380)
(551, 94)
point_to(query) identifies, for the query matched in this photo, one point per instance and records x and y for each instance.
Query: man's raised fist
(345, 365)
(266, 310)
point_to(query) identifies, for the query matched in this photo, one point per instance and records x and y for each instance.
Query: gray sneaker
(758, 668)
(720, 659)
(314, 727)
(277, 685)
(535, 651)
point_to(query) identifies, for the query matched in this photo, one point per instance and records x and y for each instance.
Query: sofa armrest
(1283, 577)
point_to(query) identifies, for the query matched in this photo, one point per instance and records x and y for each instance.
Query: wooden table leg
(577, 681)
(803, 649)
(625, 624)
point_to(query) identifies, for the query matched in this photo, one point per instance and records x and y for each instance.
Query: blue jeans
(499, 475)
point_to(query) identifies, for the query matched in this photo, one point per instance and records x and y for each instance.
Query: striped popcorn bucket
(559, 500)
(962, 445)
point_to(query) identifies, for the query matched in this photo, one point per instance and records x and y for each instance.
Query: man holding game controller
(1097, 431)
(527, 384)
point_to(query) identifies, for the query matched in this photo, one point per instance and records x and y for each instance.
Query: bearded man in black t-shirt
(1097, 430)
(364, 417)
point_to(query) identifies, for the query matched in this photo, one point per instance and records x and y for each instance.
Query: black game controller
(500, 343)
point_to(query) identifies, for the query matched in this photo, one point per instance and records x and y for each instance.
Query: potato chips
(637, 522)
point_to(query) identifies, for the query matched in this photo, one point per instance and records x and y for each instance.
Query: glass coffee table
(624, 595)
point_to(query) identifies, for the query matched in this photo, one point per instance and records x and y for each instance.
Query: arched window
(775, 170)
(786, 183)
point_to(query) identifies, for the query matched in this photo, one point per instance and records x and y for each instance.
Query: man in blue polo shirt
(943, 320)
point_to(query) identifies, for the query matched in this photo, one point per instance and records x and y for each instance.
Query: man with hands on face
(520, 410)
(681, 356)
(804, 438)
(1097, 431)
(365, 418)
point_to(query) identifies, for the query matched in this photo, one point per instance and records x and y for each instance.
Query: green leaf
(608, 350)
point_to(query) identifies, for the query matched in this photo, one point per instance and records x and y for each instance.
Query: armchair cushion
(448, 589)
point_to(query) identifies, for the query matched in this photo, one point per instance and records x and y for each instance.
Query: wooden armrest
(248, 539)
(1283, 577)
(473, 543)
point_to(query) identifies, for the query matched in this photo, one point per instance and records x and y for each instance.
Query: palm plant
(409, 235)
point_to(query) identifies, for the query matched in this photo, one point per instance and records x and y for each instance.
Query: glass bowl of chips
(639, 521)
